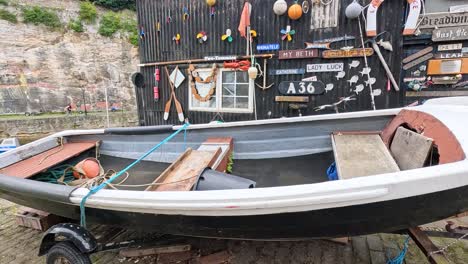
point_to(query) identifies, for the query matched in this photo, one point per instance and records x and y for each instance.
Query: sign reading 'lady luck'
(325, 67)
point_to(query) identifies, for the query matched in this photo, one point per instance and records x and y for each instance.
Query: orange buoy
(295, 11)
(89, 168)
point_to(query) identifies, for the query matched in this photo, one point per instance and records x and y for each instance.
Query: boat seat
(31, 166)
(183, 173)
(359, 154)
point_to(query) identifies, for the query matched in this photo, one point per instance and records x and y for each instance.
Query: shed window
(233, 92)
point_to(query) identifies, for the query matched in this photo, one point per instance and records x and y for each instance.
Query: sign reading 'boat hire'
(297, 54)
(301, 88)
(448, 34)
(325, 67)
(286, 71)
(263, 47)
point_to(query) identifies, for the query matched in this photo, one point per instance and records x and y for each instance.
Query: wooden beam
(426, 246)
(295, 99)
(164, 63)
(134, 252)
(436, 93)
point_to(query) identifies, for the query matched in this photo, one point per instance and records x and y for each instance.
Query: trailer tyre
(66, 253)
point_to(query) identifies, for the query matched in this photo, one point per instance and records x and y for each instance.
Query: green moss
(230, 163)
(76, 25)
(38, 15)
(110, 24)
(117, 4)
(88, 12)
(8, 16)
(4, 2)
(133, 38)
(129, 27)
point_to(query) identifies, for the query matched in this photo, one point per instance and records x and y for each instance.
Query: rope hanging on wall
(195, 78)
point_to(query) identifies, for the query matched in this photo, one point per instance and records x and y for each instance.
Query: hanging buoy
(211, 3)
(253, 72)
(280, 7)
(295, 11)
(88, 168)
(353, 10)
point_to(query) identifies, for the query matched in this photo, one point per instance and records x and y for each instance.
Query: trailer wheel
(66, 253)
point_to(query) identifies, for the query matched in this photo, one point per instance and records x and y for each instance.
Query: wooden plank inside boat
(47, 159)
(183, 173)
(359, 155)
(410, 149)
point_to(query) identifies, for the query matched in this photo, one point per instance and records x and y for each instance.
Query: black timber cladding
(158, 47)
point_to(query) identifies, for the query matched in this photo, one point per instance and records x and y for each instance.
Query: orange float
(89, 168)
(295, 11)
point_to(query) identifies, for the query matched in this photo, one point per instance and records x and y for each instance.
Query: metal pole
(107, 106)
(84, 102)
(367, 65)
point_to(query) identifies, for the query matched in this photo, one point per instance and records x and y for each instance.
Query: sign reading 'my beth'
(445, 19)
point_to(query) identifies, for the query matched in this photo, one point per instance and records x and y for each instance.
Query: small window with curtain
(231, 91)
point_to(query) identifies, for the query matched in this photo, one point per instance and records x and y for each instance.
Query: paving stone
(360, 250)
(377, 257)
(374, 242)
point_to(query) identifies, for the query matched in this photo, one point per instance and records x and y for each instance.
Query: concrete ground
(20, 245)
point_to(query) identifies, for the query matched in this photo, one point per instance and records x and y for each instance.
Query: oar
(178, 106)
(168, 104)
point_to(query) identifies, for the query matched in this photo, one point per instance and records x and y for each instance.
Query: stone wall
(31, 128)
(42, 70)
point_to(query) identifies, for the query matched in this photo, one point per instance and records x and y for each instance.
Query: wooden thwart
(47, 159)
(183, 173)
(359, 155)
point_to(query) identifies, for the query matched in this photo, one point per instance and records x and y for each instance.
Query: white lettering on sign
(302, 88)
(450, 47)
(325, 67)
(219, 58)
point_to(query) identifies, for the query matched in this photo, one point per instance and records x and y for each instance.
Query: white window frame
(219, 97)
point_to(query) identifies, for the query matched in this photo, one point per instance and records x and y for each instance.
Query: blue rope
(110, 180)
(401, 257)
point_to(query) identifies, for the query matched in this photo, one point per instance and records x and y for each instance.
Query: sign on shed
(450, 34)
(301, 88)
(445, 19)
(325, 67)
(297, 54)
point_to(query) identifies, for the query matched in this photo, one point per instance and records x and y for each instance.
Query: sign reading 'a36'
(301, 88)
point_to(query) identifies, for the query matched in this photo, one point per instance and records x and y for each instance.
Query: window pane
(242, 90)
(228, 102)
(229, 76)
(229, 90)
(203, 90)
(242, 102)
(242, 77)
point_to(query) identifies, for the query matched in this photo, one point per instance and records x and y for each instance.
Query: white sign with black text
(325, 67)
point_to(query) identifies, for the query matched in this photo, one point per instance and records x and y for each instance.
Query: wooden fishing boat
(397, 168)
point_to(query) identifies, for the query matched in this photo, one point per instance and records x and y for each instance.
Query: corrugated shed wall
(156, 47)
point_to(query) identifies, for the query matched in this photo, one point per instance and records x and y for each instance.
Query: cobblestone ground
(20, 245)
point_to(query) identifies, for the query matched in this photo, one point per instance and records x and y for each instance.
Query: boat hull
(386, 216)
